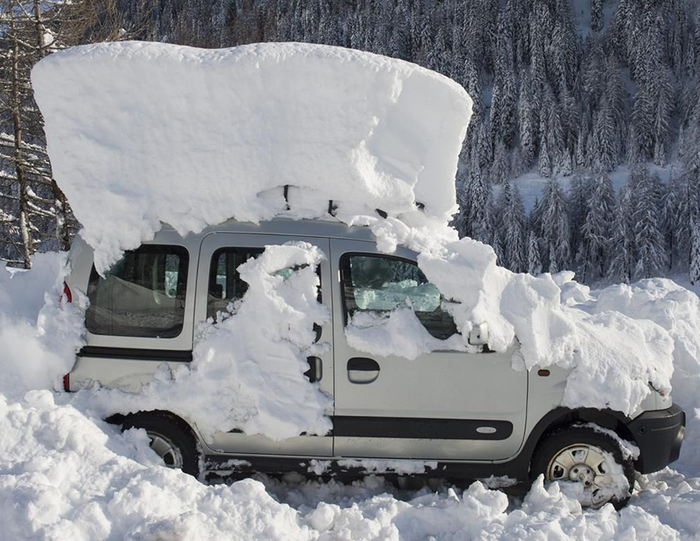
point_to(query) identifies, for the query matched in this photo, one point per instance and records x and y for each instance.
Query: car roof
(286, 226)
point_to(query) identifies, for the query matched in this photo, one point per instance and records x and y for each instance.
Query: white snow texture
(216, 134)
(64, 474)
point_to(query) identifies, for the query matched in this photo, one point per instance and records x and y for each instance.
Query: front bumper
(658, 434)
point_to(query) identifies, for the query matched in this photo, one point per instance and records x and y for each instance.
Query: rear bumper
(658, 434)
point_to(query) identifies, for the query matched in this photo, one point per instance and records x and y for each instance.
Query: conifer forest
(595, 102)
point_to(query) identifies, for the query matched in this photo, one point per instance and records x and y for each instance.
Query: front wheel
(592, 459)
(169, 438)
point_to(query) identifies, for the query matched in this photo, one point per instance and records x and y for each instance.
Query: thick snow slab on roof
(144, 133)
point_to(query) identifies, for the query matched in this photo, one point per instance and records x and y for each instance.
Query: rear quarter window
(142, 295)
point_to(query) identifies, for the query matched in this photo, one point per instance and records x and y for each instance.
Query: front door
(441, 405)
(220, 255)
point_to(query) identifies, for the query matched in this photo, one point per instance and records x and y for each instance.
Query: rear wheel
(592, 459)
(170, 438)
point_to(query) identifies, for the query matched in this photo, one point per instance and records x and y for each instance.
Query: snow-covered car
(446, 413)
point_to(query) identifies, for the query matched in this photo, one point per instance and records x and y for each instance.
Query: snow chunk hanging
(143, 133)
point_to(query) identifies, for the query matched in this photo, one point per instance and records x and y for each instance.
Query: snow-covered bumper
(658, 434)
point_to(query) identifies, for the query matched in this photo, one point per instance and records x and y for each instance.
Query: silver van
(463, 415)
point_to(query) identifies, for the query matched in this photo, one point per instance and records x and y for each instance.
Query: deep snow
(216, 134)
(65, 474)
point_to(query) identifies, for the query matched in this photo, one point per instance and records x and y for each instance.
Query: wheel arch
(122, 418)
(560, 418)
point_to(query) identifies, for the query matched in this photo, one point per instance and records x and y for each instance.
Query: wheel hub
(165, 449)
(582, 474)
(585, 464)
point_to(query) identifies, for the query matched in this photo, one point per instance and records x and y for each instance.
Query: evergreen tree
(527, 122)
(695, 251)
(597, 229)
(512, 228)
(555, 229)
(622, 263)
(670, 220)
(577, 208)
(650, 252)
(596, 15)
(534, 262)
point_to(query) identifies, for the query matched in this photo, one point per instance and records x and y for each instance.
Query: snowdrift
(144, 133)
(64, 474)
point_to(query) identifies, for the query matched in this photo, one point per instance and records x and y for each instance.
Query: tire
(171, 439)
(584, 455)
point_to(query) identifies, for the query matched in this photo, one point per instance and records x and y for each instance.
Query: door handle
(315, 371)
(362, 370)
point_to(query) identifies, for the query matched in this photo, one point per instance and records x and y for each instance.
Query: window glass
(142, 295)
(379, 283)
(225, 284)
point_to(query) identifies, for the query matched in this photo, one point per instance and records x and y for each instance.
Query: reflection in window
(380, 283)
(142, 295)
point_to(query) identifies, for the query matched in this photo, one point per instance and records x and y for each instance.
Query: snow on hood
(143, 133)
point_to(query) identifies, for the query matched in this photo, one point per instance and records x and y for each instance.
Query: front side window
(380, 284)
(142, 295)
(225, 284)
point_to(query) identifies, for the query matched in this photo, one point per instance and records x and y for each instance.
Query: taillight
(66, 293)
(66, 382)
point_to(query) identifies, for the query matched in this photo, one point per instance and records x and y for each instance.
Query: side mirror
(479, 335)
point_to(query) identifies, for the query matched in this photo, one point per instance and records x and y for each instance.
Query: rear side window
(376, 283)
(142, 295)
(225, 284)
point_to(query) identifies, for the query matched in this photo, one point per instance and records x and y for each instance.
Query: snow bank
(248, 369)
(64, 474)
(677, 311)
(144, 133)
(39, 335)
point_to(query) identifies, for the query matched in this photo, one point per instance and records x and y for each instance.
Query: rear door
(442, 405)
(219, 284)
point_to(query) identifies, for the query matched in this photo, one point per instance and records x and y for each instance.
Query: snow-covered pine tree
(545, 164)
(650, 253)
(512, 228)
(479, 219)
(499, 168)
(497, 246)
(555, 229)
(694, 273)
(577, 207)
(527, 121)
(534, 261)
(622, 245)
(597, 229)
(596, 15)
(670, 220)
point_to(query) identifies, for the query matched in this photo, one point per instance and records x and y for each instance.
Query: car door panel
(236, 442)
(442, 405)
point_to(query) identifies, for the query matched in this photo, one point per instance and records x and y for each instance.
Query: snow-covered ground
(65, 474)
